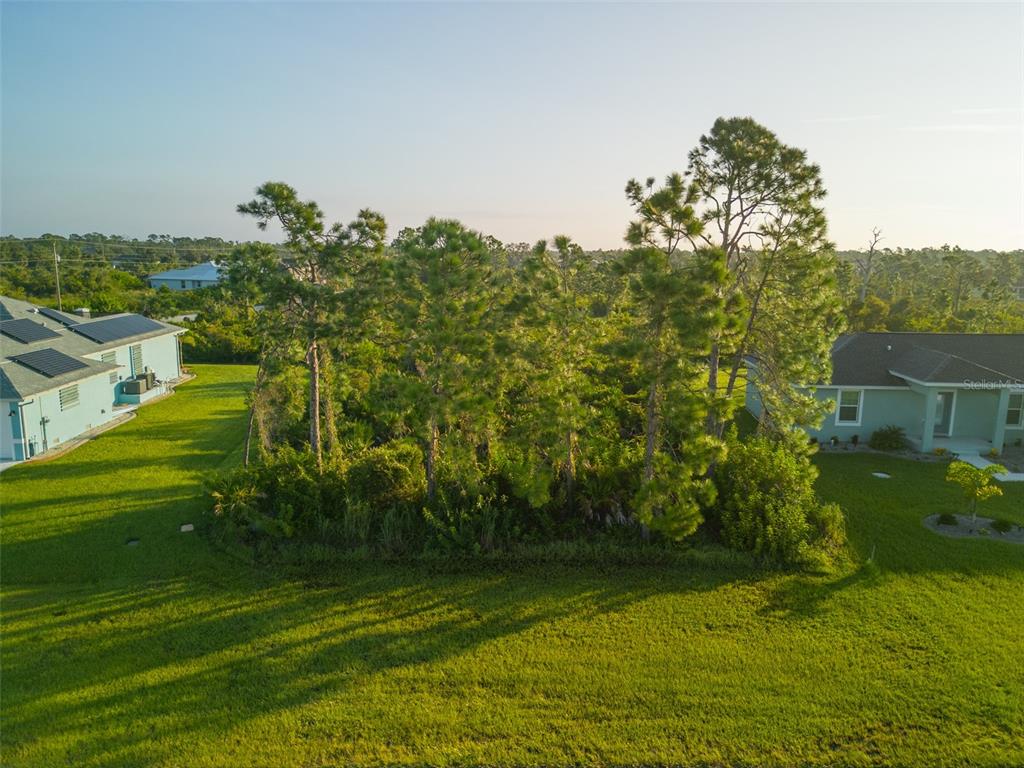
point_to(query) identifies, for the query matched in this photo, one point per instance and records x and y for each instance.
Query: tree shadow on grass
(185, 661)
(806, 596)
(88, 539)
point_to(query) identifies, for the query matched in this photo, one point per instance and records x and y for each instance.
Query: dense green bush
(889, 438)
(277, 498)
(1002, 525)
(222, 332)
(767, 505)
(375, 501)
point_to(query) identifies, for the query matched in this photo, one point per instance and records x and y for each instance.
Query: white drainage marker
(187, 528)
(882, 475)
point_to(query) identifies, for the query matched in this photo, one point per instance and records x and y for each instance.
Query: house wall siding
(975, 413)
(175, 284)
(974, 416)
(159, 354)
(752, 397)
(95, 408)
(7, 428)
(879, 408)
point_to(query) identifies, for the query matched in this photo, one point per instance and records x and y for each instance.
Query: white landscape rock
(883, 475)
(187, 528)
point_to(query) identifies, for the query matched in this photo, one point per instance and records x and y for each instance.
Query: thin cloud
(966, 128)
(845, 119)
(990, 111)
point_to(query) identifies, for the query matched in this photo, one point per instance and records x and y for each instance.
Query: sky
(522, 120)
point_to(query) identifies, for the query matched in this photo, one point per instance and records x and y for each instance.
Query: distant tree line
(932, 289)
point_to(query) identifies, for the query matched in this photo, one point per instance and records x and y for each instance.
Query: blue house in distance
(188, 279)
(960, 391)
(63, 375)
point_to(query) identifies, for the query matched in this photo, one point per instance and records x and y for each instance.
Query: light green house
(64, 375)
(963, 392)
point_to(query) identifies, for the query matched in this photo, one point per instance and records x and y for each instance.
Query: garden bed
(978, 528)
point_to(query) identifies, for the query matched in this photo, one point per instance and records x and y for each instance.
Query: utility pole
(56, 273)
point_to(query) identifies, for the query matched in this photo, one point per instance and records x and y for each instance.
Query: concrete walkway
(976, 460)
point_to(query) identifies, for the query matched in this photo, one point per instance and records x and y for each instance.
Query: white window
(68, 397)
(1015, 410)
(110, 357)
(848, 406)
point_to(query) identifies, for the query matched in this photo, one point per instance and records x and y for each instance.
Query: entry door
(944, 412)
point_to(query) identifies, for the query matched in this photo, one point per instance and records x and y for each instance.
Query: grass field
(169, 654)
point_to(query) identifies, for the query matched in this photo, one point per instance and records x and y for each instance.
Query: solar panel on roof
(5, 313)
(60, 317)
(48, 362)
(114, 328)
(26, 331)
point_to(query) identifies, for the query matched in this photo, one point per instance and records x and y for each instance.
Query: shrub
(273, 499)
(888, 438)
(940, 451)
(829, 525)
(767, 504)
(373, 501)
(947, 518)
(1002, 525)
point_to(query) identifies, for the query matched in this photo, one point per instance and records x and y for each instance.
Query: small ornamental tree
(975, 482)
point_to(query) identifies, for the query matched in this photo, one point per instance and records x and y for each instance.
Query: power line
(226, 246)
(91, 257)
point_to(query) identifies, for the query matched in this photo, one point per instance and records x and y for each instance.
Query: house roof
(887, 359)
(18, 380)
(207, 271)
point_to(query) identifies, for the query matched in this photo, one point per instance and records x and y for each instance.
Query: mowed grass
(170, 654)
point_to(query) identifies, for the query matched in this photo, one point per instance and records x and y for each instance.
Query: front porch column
(928, 435)
(999, 433)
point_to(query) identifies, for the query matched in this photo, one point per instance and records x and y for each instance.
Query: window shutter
(110, 357)
(68, 397)
(136, 353)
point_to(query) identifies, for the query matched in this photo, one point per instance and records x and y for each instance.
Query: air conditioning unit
(134, 386)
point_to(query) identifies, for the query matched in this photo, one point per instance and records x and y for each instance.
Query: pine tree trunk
(248, 433)
(431, 459)
(252, 412)
(570, 472)
(651, 431)
(711, 423)
(327, 374)
(313, 358)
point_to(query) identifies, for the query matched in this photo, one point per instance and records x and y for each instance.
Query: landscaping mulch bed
(979, 528)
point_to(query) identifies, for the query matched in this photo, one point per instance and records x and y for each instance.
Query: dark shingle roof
(866, 359)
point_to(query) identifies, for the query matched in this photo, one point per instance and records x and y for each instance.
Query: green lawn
(169, 654)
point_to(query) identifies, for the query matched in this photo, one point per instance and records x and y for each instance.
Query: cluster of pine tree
(443, 388)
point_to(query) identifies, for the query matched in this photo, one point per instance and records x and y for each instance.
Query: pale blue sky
(521, 120)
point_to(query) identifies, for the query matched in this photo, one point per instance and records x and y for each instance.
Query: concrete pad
(976, 460)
